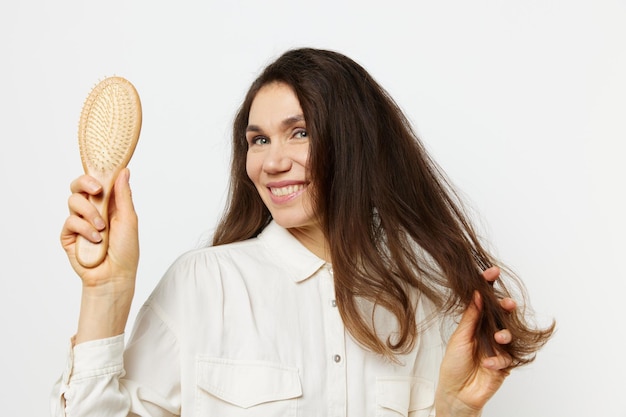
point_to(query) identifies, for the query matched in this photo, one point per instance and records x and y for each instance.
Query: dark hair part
(391, 219)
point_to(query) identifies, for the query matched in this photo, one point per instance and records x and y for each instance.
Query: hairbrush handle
(88, 253)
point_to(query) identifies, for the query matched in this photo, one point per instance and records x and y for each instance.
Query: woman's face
(278, 150)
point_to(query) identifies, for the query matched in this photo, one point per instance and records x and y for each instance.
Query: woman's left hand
(464, 385)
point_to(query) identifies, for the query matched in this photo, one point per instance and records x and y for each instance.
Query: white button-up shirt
(248, 329)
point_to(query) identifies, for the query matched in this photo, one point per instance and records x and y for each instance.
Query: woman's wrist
(104, 312)
(451, 406)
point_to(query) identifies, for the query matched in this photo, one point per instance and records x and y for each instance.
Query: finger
(469, 319)
(508, 304)
(491, 274)
(503, 337)
(497, 363)
(86, 184)
(122, 194)
(80, 206)
(75, 225)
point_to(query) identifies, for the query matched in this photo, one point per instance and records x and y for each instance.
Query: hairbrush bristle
(109, 125)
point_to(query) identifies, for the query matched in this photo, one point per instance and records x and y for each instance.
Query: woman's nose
(277, 159)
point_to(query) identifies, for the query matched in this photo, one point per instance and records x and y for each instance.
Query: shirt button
(333, 303)
(337, 358)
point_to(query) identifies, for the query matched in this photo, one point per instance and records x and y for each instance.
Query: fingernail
(99, 223)
(93, 186)
(489, 363)
(96, 237)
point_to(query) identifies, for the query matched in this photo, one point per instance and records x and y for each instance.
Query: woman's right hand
(108, 288)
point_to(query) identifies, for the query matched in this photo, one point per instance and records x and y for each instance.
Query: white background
(523, 103)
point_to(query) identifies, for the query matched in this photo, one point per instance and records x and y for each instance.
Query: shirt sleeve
(434, 338)
(103, 379)
(90, 382)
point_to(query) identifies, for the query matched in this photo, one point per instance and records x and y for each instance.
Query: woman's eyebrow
(253, 128)
(289, 121)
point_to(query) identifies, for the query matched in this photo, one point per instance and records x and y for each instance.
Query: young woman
(340, 256)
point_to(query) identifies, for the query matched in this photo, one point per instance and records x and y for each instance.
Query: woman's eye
(300, 133)
(260, 140)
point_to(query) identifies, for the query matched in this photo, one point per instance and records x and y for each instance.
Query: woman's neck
(313, 239)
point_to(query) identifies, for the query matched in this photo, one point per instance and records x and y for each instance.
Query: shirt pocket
(246, 388)
(404, 396)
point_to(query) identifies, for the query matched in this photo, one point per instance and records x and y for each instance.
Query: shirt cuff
(96, 357)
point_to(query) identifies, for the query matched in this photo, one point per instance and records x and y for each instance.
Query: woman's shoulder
(202, 272)
(214, 258)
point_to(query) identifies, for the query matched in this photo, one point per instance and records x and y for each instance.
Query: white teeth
(283, 191)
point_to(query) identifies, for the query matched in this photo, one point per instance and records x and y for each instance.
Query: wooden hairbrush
(108, 131)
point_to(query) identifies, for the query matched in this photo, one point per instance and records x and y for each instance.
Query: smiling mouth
(285, 191)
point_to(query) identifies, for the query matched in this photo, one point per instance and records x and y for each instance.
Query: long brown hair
(392, 221)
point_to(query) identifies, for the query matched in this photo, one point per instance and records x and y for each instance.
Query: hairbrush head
(108, 131)
(109, 126)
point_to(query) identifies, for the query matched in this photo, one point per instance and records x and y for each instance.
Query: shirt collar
(298, 262)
